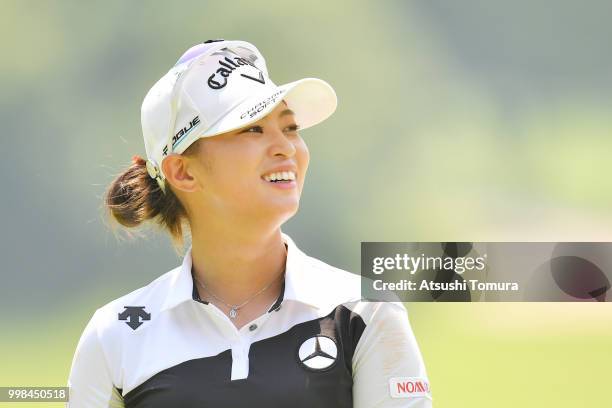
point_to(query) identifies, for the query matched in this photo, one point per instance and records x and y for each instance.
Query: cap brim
(311, 99)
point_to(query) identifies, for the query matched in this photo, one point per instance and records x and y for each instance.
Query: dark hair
(133, 197)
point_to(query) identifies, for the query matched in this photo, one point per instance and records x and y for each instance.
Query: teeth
(281, 175)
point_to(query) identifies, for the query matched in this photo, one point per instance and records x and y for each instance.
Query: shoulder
(343, 288)
(116, 320)
(330, 274)
(109, 330)
(332, 286)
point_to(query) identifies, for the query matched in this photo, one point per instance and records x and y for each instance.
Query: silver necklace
(233, 313)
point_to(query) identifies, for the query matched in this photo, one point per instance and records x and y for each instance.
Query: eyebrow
(286, 112)
(280, 115)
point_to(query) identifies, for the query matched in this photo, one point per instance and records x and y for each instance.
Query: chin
(286, 207)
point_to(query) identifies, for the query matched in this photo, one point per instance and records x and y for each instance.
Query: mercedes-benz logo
(318, 353)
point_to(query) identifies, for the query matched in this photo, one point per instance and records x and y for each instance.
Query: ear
(179, 172)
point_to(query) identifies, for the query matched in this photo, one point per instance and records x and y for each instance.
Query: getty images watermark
(500, 271)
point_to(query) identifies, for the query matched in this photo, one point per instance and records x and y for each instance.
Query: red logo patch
(407, 387)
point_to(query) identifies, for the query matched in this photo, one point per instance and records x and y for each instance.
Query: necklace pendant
(233, 313)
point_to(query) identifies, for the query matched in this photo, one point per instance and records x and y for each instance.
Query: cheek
(225, 176)
(242, 181)
(235, 175)
(303, 156)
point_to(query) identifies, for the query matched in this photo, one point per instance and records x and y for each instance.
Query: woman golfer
(247, 319)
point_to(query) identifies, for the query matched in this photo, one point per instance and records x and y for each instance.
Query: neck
(235, 265)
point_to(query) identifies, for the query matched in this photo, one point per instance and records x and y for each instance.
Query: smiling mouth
(280, 177)
(279, 182)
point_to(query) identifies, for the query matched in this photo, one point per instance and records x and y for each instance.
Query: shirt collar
(296, 286)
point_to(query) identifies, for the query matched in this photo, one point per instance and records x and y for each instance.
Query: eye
(253, 129)
(292, 128)
(259, 129)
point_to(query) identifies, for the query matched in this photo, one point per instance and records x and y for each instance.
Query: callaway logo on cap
(216, 87)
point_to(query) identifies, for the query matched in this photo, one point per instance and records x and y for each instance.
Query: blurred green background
(457, 121)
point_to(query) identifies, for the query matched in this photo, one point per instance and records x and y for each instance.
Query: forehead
(282, 109)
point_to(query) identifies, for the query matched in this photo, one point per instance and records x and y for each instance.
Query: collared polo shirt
(320, 344)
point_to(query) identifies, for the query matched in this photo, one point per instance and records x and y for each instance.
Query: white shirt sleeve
(388, 369)
(90, 384)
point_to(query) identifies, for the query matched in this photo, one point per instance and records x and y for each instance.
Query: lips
(280, 180)
(283, 185)
(288, 171)
(280, 176)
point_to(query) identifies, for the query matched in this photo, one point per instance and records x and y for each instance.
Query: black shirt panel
(277, 377)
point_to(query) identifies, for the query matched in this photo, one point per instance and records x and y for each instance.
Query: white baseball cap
(216, 87)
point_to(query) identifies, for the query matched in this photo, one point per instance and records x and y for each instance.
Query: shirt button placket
(240, 359)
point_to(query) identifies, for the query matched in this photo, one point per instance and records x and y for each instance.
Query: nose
(280, 144)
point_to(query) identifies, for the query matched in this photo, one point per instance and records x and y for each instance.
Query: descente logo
(408, 387)
(183, 132)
